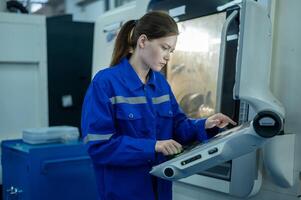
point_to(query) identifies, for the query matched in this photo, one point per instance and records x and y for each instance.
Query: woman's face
(156, 53)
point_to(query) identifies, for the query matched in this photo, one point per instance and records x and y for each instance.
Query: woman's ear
(142, 40)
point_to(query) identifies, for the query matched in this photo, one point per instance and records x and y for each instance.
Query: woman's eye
(164, 48)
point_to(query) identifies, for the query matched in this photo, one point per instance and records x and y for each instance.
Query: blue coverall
(122, 119)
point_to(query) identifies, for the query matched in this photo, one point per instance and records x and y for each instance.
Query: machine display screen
(192, 70)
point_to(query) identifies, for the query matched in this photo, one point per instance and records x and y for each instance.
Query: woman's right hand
(168, 147)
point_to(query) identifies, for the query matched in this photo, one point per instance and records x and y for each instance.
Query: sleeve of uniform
(104, 145)
(187, 130)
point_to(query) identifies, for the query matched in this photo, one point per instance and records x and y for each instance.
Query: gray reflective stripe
(96, 137)
(129, 100)
(161, 99)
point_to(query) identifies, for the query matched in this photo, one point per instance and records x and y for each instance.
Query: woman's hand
(220, 120)
(168, 147)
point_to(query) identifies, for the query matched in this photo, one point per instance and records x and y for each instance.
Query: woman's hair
(155, 24)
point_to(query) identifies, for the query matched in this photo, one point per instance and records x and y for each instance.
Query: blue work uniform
(122, 119)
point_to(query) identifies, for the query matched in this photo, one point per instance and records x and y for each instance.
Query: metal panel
(23, 73)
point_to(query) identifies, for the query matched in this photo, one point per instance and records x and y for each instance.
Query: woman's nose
(167, 57)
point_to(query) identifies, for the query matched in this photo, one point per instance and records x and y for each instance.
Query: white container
(50, 134)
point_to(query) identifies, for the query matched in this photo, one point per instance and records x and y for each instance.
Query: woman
(131, 119)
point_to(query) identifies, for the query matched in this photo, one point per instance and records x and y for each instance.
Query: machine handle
(223, 53)
(64, 161)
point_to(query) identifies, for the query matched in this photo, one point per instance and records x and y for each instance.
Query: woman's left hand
(220, 120)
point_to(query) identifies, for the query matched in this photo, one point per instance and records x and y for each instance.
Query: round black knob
(168, 172)
(267, 124)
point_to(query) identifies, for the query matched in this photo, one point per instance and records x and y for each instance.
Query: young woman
(131, 119)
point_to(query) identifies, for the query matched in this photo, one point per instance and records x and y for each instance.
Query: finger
(178, 146)
(223, 125)
(229, 120)
(168, 149)
(173, 148)
(164, 150)
(214, 123)
(165, 153)
(233, 122)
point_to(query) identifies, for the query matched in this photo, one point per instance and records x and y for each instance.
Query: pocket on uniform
(130, 122)
(128, 115)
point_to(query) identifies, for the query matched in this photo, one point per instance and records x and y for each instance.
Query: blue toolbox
(54, 171)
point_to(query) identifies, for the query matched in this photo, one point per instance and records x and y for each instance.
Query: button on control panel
(189, 160)
(212, 151)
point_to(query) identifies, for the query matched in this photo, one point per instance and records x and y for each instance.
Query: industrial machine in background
(203, 87)
(23, 74)
(69, 64)
(47, 64)
(34, 95)
(252, 81)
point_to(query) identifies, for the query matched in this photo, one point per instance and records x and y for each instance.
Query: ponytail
(123, 43)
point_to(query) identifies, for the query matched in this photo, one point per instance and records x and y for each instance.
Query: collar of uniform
(152, 78)
(131, 77)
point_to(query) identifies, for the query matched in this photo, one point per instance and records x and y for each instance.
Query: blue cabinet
(47, 171)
